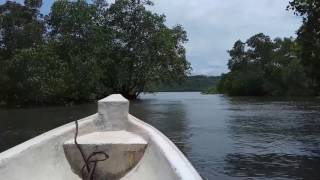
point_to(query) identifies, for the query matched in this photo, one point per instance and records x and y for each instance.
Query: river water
(223, 137)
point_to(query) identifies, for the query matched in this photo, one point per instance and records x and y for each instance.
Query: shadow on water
(19, 125)
(274, 138)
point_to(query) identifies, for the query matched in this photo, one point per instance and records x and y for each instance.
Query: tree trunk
(130, 96)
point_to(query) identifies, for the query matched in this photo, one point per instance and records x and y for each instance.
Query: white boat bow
(136, 150)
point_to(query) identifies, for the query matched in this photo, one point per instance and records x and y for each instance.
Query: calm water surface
(223, 137)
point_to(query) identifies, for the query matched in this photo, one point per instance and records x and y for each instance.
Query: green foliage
(20, 27)
(309, 38)
(146, 50)
(82, 51)
(262, 66)
(36, 76)
(278, 67)
(79, 42)
(33, 3)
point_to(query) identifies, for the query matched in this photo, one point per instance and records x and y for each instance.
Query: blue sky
(214, 25)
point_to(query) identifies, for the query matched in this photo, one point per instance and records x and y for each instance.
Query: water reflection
(274, 138)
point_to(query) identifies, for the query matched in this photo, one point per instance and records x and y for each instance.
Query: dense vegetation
(82, 51)
(197, 83)
(290, 67)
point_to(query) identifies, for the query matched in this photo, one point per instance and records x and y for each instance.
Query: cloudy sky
(214, 25)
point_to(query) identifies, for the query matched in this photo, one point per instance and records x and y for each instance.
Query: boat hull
(43, 157)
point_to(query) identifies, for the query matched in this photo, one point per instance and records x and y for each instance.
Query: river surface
(224, 137)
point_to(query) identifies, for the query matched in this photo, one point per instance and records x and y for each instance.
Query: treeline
(261, 66)
(82, 51)
(279, 67)
(197, 83)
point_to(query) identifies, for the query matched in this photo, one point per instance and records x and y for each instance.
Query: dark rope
(94, 162)
(88, 161)
(79, 147)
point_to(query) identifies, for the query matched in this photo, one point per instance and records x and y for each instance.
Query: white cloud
(214, 25)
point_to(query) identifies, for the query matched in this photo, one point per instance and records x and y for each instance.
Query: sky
(214, 25)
